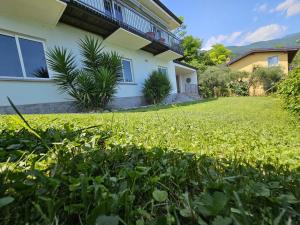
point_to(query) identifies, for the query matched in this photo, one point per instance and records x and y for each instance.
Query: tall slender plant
(95, 83)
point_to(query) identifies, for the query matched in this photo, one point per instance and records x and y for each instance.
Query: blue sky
(238, 22)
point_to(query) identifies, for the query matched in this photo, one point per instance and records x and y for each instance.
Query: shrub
(95, 84)
(289, 90)
(219, 81)
(157, 87)
(239, 88)
(267, 77)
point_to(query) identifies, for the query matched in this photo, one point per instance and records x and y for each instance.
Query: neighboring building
(279, 57)
(139, 30)
(264, 58)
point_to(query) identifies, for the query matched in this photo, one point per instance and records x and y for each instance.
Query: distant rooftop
(291, 51)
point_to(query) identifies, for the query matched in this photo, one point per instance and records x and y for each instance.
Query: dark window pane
(163, 70)
(127, 71)
(10, 65)
(34, 58)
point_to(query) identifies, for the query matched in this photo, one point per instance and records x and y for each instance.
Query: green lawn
(217, 162)
(250, 128)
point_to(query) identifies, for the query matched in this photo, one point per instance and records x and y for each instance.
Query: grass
(224, 161)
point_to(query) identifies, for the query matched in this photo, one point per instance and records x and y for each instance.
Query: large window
(273, 61)
(20, 57)
(127, 75)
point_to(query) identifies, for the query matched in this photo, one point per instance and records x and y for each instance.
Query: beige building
(281, 57)
(264, 58)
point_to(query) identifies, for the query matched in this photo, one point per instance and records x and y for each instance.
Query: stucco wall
(32, 92)
(260, 59)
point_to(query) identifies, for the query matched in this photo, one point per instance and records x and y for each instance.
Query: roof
(185, 64)
(291, 51)
(167, 10)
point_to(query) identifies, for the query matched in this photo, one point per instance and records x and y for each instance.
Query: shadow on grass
(169, 106)
(80, 179)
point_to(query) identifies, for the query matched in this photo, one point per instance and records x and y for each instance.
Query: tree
(191, 46)
(219, 54)
(181, 31)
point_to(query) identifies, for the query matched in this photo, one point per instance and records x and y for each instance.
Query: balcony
(120, 24)
(49, 12)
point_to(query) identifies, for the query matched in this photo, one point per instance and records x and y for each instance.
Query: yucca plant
(95, 83)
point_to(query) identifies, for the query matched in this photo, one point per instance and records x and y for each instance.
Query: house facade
(139, 30)
(281, 57)
(277, 57)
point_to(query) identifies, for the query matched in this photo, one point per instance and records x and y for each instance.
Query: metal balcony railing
(128, 17)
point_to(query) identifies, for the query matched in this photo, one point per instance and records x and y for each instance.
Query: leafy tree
(181, 30)
(194, 56)
(268, 77)
(289, 90)
(157, 87)
(92, 86)
(191, 47)
(219, 54)
(219, 81)
(296, 61)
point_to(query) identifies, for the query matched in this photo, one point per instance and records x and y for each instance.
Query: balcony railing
(129, 18)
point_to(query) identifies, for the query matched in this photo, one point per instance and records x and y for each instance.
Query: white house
(139, 30)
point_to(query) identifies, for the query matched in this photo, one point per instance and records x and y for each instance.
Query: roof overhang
(45, 11)
(290, 51)
(162, 12)
(184, 69)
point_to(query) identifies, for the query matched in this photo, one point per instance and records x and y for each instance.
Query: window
(273, 61)
(127, 76)
(163, 70)
(10, 65)
(20, 57)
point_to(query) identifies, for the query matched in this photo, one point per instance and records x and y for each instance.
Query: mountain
(287, 41)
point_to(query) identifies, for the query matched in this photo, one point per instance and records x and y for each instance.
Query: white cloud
(289, 7)
(228, 39)
(262, 8)
(264, 33)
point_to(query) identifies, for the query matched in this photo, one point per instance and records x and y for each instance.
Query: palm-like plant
(93, 85)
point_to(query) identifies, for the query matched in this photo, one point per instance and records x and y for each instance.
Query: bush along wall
(157, 87)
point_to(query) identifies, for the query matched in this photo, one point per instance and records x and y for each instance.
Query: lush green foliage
(194, 56)
(296, 61)
(218, 81)
(219, 54)
(228, 161)
(181, 30)
(157, 87)
(268, 77)
(95, 84)
(289, 90)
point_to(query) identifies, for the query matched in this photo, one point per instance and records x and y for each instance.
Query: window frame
(24, 75)
(271, 57)
(123, 74)
(163, 68)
